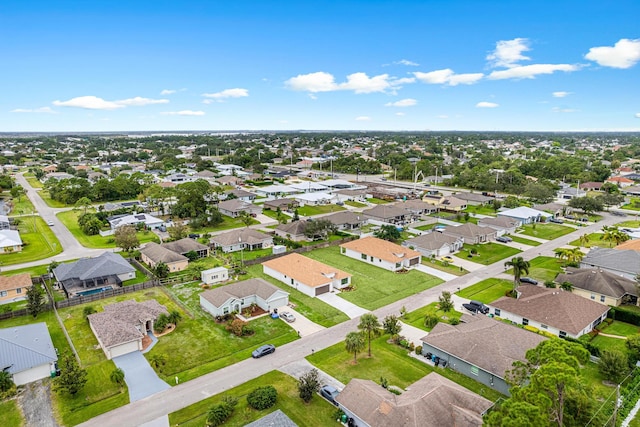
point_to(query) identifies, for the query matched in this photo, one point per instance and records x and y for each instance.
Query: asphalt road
(219, 381)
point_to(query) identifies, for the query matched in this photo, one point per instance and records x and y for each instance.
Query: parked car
(528, 280)
(476, 307)
(288, 316)
(556, 220)
(447, 258)
(330, 393)
(503, 239)
(194, 236)
(616, 213)
(263, 351)
(50, 223)
(570, 217)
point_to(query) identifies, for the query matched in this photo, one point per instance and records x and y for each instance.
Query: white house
(237, 296)
(10, 241)
(148, 220)
(314, 199)
(214, 275)
(381, 253)
(525, 214)
(27, 353)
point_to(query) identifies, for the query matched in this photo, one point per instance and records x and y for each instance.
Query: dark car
(528, 280)
(616, 213)
(330, 393)
(556, 220)
(476, 307)
(263, 351)
(504, 239)
(193, 236)
(570, 217)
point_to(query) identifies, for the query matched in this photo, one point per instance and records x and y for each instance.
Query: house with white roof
(525, 214)
(308, 186)
(314, 199)
(148, 220)
(10, 241)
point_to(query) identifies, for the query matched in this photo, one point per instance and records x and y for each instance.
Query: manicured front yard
(487, 291)
(447, 268)
(629, 224)
(543, 268)
(377, 201)
(546, 231)
(481, 209)
(318, 412)
(38, 240)
(487, 253)
(416, 317)
(388, 361)
(355, 204)
(374, 287)
(595, 239)
(308, 210)
(35, 182)
(525, 241)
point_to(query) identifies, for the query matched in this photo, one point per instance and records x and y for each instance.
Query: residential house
(481, 348)
(620, 181)
(432, 401)
(241, 194)
(208, 176)
(558, 312)
(87, 274)
(234, 208)
(178, 178)
(276, 191)
(629, 245)
(309, 187)
(50, 169)
(186, 245)
(591, 186)
(14, 288)
(214, 275)
(417, 207)
(275, 419)
(634, 190)
(445, 203)
(346, 220)
(10, 241)
(474, 199)
(625, 263)
(525, 215)
(381, 253)
(5, 224)
(601, 286)
(149, 221)
(434, 244)
(283, 204)
(388, 214)
(230, 180)
(309, 276)
(27, 353)
(502, 225)
(240, 295)
(568, 193)
(315, 199)
(555, 209)
(241, 239)
(153, 254)
(122, 326)
(355, 195)
(293, 231)
(471, 233)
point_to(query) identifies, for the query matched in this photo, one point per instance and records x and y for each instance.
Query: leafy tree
(161, 270)
(83, 202)
(175, 317)
(370, 326)
(192, 255)
(614, 235)
(296, 217)
(117, 376)
(391, 325)
(308, 385)
(221, 412)
(446, 304)
(354, 343)
(633, 344)
(431, 320)
(613, 365)
(387, 232)
(246, 218)
(586, 204)
(519, 266)
(35, 300)
(88, 310)
(584, 240)
(6, 381)
(610, 199)
(538, 192)
(496, 205)
(161, 323)
(17, 192)
(126, 238)
(511, 202)
(157, 360)
(570, 255)
(263, 397)
(72, 377)
(178, 230)
(319, 229)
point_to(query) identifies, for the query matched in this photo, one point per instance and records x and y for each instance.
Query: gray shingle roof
(106, 264)
(345, 217)
(274, 419)
(259, 287)
(430, 241)
(236, 205)
(469, 230)
(157, 253)
(613, 259)
(386, 212)
(25, 347)
(294, 228)
(244, 235)
(185, 245)
(600, 281)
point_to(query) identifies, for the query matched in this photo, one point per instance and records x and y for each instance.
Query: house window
(593, 296)
(397, 265)
(19, 291)
(496, 312)
(544, 326)
(3, 293)
(602, 298)
(363, 256)
(225, 310)
(344, 281)
(371, 258)
(562, 334)
(474, 370)
(292, 281)
(525, 321)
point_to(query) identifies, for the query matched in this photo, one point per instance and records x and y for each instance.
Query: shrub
(395, 390)
(419, 349)
(454, 321)
(549, 284)
(262, 397)
(236, 327)
(221, 412)
(532, 328)
(431, 320)
(161, 322)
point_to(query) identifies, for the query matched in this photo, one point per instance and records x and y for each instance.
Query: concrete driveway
(141, 379)
(303, 325)
(343, 305)
(434, 272)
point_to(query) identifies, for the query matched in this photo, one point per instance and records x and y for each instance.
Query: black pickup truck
(476, 307)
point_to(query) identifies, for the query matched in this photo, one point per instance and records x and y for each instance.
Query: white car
(50, 223)
(288, 316)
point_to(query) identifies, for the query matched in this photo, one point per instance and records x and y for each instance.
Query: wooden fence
(106, 294)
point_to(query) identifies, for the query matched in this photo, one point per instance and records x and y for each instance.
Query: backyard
(38, 240)
(481, 209)
(546, 231)
(374, 287)
(486, 253)
(308, 210)
(487, 291)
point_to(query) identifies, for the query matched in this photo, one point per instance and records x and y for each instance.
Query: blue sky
(323, 65)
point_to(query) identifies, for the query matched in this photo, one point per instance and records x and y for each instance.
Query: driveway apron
(343, 305)
(434, 272)
(139, 376)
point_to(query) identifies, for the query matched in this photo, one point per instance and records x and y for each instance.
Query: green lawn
(487, 291)
(388, 361)
(482, 210)
(447, 268)
(70, 220)
(595, 239)
(312, 308)
(374, 287)
(544, 268)
(318, 412)
(11, 414)
(377, 201)
(546, 231)
(38, 240)
(525, 241)
(620, 328)
(38, 270)
(140, 277)
(629, 224)
(35, 182)
(21, 205)
(271, 213)
(610, 343)
(49, 201)
(416, 317)
(355, 204)
(227, 224)
(487, 253)
(317, 210)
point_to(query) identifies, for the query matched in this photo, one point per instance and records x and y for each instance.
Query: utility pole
(617, 405)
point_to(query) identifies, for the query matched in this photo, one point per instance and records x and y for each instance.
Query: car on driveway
(476, 307)
(288, 316)
(556, 220)
(50, 223)
(528, 280)
(330, 393)
(503, 239)
(263, 351)
(447, 258)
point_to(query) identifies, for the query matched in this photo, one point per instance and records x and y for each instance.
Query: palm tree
(370, 325)
(6, 381)
(157, 360)
(354, 343)
(175, 317)
(519, 266)
(584, 240)
(574, 255)
(117, 376)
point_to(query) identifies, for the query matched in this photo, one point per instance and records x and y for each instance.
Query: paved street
(216, 382)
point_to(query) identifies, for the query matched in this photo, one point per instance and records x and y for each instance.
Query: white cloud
(406, 62)
(363, 118)
(356, 82)
(313, 82)
(624, 54)
(531, 71)
(312, 96)
(361, 83)
(485, 104)
(89, 103)
(227, 93)
(403, 80)
(448, 76)
(409, 102)
(399, 113)
(637, 115)
(139, 101)
(167, 91)
(183, 113)
(563, 110)
(46, 110)
(509, 52)
(560, 94)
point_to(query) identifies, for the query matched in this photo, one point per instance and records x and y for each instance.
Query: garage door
(413, 261)
(323, 289)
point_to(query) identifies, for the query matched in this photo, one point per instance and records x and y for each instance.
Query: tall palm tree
(369, 325)
(584, 240)
(354, 343)
(614, 235)
(519, 266)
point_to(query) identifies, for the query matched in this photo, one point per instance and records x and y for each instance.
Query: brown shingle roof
(632, 245)
(157, 253)
(306, 270)
(9, 283)
(554, 307)
(386, 212)
(294, 228)
(185, 245)
(381, 249)
(430, 241)
(244, 235)
(484, 342)
(260, 287)
(600, 281)
(345, 217)
(469, 230)
(433, 401)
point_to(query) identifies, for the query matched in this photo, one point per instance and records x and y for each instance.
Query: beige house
(601, 286)
(14, 288)
(381, 253)
(153, 254)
